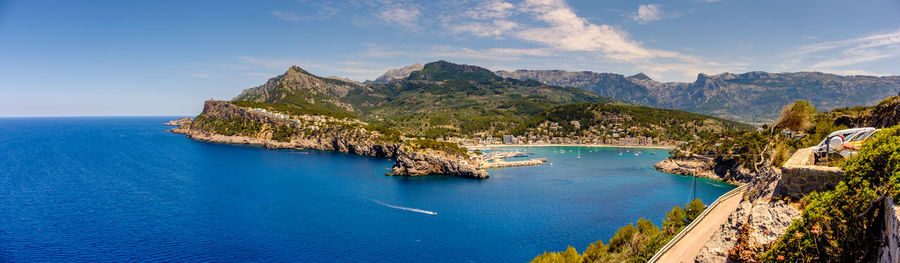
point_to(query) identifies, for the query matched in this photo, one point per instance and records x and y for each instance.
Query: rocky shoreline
(407, 162)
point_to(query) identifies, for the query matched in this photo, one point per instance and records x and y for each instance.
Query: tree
(693, 210)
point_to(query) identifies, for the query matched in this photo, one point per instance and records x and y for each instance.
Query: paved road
(687, 248)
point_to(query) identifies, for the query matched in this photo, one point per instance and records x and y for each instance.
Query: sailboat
(579, 154)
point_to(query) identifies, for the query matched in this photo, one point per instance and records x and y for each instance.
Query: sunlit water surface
(122, 189)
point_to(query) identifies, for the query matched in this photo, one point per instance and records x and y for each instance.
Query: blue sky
(70, 58)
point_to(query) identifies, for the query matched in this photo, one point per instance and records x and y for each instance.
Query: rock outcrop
(763, 222)
(697, 166)
(885, 114)
(179, 122)
(707, 167)
(425, 163)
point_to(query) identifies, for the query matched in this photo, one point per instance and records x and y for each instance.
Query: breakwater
(498, 163)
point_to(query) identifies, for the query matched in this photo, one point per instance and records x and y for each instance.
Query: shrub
(843, 225)
(636, 242)
(796, 116)
(447, 147)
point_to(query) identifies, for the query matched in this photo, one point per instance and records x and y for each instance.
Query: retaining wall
(890, 252)
(800, 175)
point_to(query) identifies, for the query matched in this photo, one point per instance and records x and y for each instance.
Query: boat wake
(407, 208)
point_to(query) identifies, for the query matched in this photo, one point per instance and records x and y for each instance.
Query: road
(687, 248)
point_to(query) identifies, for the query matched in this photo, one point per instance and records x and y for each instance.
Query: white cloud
(832, 56)
(199, 75)
(648, 13)
(491, 10)
(496, 28)
(404, 16)
(556, 27)
(569, 32)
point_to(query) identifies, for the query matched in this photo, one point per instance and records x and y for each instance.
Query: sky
(135, 58)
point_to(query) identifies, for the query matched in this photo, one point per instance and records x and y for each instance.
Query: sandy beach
(572, 145)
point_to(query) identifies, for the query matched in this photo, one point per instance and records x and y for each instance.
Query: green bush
(829, 229)
(636, 242)
(447, 147)
(230, 127)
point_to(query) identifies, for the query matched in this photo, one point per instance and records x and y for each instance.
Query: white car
(835, 140)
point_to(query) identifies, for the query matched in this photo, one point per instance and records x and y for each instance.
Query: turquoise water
(121, 189)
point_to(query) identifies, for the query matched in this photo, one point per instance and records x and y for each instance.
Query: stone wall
(800, 175)
(890, 252)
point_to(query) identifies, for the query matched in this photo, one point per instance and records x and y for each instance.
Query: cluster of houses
(613, 133)
(525, 140)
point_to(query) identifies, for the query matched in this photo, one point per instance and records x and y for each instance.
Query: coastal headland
(224, 122)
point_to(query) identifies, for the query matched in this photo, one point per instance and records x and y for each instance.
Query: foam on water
(407, 208)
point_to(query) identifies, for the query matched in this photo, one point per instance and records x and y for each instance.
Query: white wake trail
(407, 208)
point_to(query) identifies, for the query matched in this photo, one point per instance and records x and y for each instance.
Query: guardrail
(696, 221)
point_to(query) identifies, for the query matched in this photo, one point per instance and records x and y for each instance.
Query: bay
(123, 189)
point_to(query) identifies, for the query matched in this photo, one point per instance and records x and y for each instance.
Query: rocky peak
(640, 76)
(398, 73)
(297, 82)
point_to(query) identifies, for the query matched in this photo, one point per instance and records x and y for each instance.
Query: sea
(122, 189)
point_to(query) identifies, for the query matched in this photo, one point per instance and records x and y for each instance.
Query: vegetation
(796, 116)
(636, 242)
(604, 119)
(844, 224)
(447, 147)
(773, 146)
(388, 135)
(443, 70)
(230, 127)
(297, 107)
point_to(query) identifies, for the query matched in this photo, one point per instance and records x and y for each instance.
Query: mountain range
(441, 97)
(755, 97)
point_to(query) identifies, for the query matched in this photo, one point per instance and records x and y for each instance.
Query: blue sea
(120, 189)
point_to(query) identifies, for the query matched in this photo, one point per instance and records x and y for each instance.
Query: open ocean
(121, 189)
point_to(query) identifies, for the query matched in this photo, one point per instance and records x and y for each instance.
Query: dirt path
(687, 248)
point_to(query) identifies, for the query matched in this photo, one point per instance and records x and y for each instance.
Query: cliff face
(420, 163)
(298, 86)
(752, 96)
(327, 138)
(886, 114)
(707, 167)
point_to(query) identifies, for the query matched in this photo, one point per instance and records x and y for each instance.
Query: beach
(669, 147)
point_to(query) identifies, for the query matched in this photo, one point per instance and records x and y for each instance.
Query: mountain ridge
(754, 96)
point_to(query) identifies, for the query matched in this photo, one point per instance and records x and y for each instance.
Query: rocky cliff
(424, 163)
(707, 167)
(752, 96)
(340, 137)
(300, 87)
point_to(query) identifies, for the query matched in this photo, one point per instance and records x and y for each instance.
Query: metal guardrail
(694, 223)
